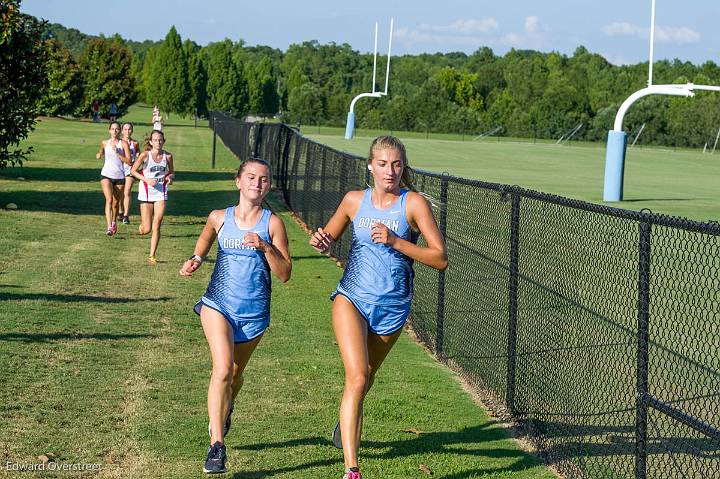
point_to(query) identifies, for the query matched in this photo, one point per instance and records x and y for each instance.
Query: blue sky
(617, 29)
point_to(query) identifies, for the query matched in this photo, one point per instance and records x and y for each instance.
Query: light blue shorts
(382, 320)
(243, 331)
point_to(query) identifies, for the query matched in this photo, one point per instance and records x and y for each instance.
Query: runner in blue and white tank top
(134, 147)
(235, 309)
(115, 153)
(372, 301)
(242, 269)
(376, 273)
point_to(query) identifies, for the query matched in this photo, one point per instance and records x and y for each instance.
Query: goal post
(350, 123)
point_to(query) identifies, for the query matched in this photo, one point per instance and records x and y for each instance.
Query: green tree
(226, 86)
(71, 38)
(23, 76)
(170, 88)
(65, 92)
(460, 87)
(305, 104)
(105, 66)
(262, 87)
(197, 76)
(149, 88)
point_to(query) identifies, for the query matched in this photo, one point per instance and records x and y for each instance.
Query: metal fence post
(513, 301)
(440, 323)
(643, 321)
(323, 172)
(287, 135)
(214, 140)
(258, 137)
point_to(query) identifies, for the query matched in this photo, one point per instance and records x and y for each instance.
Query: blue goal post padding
(350, 126)
(614, 166)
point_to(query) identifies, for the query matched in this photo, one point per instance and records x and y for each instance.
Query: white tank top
(113, 166)
(156, 169)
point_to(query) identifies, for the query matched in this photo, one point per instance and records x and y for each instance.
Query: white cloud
(677, 35)
(618, 29)
(463, 32)
(475, 32)
(617, 60)
(486, 25)
(471, 26)
(409, 36)
(531, 24)
(674, 35)
(533, 38)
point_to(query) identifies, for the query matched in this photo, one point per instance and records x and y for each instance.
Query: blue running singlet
(240, 285)
(377, 273)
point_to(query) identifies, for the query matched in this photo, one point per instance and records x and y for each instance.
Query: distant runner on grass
(372, 301)
(235, 309)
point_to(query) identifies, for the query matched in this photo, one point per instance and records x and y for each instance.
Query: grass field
(679, 183)
(103, 362)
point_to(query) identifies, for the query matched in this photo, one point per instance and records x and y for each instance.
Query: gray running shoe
(336, 437)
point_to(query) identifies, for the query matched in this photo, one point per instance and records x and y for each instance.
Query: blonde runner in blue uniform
(372, 301)
(158, 171)
(235, 309)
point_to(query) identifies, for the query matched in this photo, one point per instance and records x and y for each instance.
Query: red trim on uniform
(147, 193)
(165, 185)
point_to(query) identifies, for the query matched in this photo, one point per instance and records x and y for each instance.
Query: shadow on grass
(202, 122)
(73, 298)
(636, 200)
(301, 258)
(84, 175)
(180, 203)
(465, 442)
(47, 337)
(583, 441)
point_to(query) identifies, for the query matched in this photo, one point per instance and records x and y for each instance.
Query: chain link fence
(597, 329)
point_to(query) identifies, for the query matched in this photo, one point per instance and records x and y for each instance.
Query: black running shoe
(126, 220)
(215, 462)
(228, 422)
(336, 437)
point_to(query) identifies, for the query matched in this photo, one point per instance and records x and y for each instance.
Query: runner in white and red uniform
(155, 171)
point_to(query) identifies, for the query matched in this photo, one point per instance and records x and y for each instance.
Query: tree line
(522, 93)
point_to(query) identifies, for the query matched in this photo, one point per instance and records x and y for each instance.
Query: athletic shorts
(382, 320)
(151, 194)
(243, 331)
(114, 181)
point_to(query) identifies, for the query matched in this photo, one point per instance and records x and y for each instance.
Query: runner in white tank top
(155, 171)
(134, 147)
(155, 168)
(112, 176)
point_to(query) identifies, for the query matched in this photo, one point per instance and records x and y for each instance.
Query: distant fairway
(679, 183)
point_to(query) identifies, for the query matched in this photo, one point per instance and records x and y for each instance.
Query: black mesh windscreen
(597, 328)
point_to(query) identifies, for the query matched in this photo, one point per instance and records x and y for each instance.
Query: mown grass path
(102, 360)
